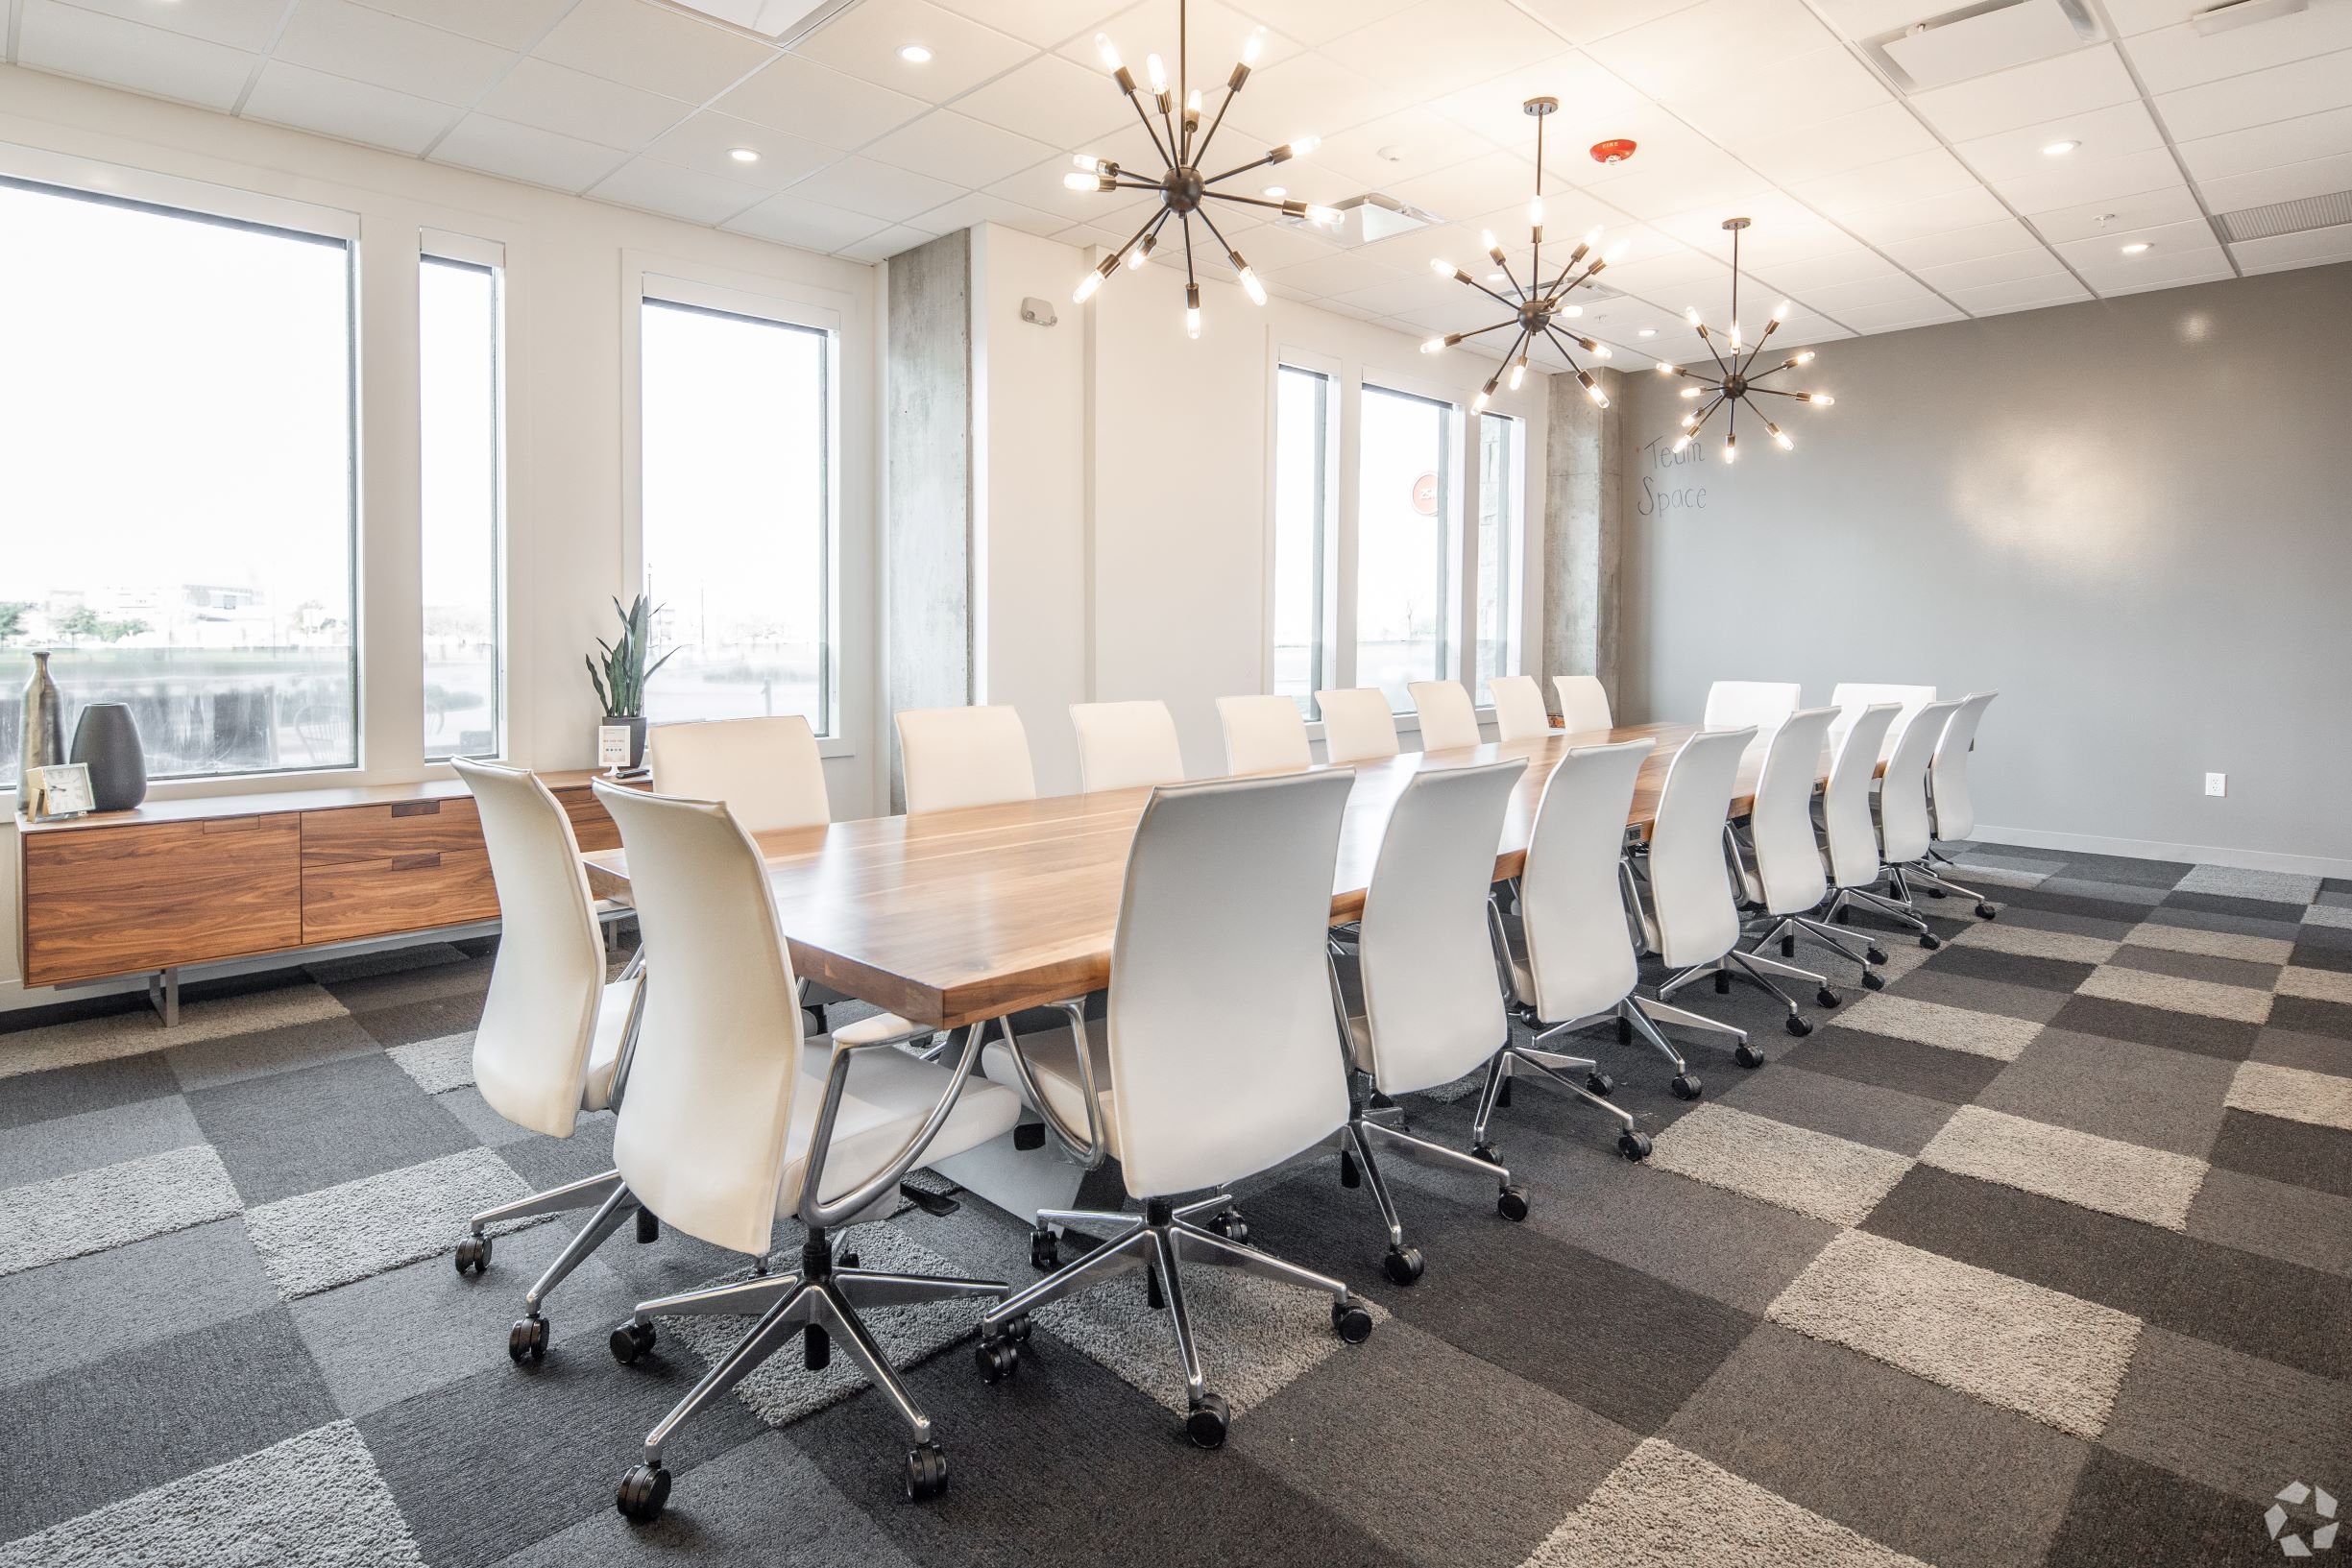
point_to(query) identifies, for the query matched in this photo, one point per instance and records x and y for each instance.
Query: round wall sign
(1425, 495)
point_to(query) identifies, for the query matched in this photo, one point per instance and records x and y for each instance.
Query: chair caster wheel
(1402, 1266)
(474, 1255)
(527, 1340)
(1788, 947)
(630, 1340)
(1875, 954)
(1634, 1146)
(1600, 1083)
(1207, 1422)
(1872, 981)
(1824, 998)
(1935, 892)
(996, 1360)
(1350, 1174)
(1723, 982)
(1931, 941)
(1986, 912)
(1233, 1227)
(1686, 1086)
(1748, 1056)
(1486, 1153)
(1351, 1322)
(1044, 1254)
(644, 1489)
(1015, 1329)
(1625, 1032)
(1796, 1025)
(1512, 1202)
(926, 1472)
(648, 1227)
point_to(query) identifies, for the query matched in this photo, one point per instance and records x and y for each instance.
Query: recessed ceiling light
(1274, 193)
(1648, 332)
(742, 155)
(914, 53)
(2059, 149)
(2138, 247)
(1497, 278)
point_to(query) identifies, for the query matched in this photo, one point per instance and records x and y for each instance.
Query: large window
(458, 405)
(1406, 548)
(1502, 466)
(737, 514)
(176, 448)
(1302, 510)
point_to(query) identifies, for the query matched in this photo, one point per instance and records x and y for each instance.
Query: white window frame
(442, 244)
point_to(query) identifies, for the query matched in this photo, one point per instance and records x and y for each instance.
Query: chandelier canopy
(1736, 379)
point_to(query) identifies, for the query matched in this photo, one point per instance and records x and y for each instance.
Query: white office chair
(1569, 957)
(1125, 746)
(735, 1119)
(1520, 713)
(1448, 721)
(1357, 725)
(1951, 811)
(554, 1037)
(1848, 836)
(1421, 1004)
(1850, 697)
(1583, 703)
(1762, 704)
(1902, 831)
(1690, 919)
(951, 757)
(1217, 1056)
(1779, 859)
(1264, 735)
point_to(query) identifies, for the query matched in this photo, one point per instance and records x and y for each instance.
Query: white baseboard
(2142, 848)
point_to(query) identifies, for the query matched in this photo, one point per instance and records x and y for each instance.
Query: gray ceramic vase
(107, 741)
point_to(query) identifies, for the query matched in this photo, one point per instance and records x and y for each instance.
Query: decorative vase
(107, 741)
(44, 725)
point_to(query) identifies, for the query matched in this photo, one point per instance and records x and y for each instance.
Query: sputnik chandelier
(1736, 379)
(1536, 308)
(1184, 192)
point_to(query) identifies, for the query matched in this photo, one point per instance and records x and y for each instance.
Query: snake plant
(620, 685)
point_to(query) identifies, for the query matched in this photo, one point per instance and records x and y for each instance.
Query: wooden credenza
(187, 882)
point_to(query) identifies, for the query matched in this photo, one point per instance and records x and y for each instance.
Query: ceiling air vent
(1367, 218)
(1977, 40)
(2287, 217)
(786, 21)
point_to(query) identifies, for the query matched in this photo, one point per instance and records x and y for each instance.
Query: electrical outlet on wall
(2216, 783)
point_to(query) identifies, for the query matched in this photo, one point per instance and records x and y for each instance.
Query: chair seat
(874, 1030)
(1055, 1064)
(613, 1011)
(888, 1095)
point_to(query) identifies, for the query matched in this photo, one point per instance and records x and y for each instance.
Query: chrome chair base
(1160, 1241)
(1556, 1070)
(1789, 929)
(612, 1201)
(1358, 1168)
(1757, 970)
(1923, 871)
(1894, 905)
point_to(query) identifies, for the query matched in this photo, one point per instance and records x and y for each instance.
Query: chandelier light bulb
(1109, 50)
(1681, 441)
(1434, 345)
(1141, 254)
(1535, 211)
(1819, 399)
(1593, 389)
(1805, 358)
(1617, 253)
(1086, 161)
(1689, 392)
(1191, 102)
(1518, 373)
(1074, 181)
(1086, 286)
(1253, 46)
(1690, 421)
(1249, 281)
(1780, 312)
(1600, 350)
(1664, 368)
(1327, 216)
(1478, 404)
(1302, 146)
(1441, 267)
(1571, 311)
(1731, 448)
(1781, 436)
(1590, 240)
(1734, 335)
(1487, 242)
(1156, 70)
(1691, 314)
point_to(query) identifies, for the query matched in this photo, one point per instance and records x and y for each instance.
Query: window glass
(1405, 546)
(1303, 504)
(459, 369)
(1501, 474)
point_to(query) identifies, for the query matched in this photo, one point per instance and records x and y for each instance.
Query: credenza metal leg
(163, 995)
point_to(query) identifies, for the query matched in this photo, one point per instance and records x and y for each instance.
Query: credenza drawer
(116, 901)
(343, 900)
(591, 823)
(381, 832)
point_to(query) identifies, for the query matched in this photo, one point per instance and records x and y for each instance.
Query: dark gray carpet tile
(2335, 884)
(1496, 1464)
(107, 1136)
(2060, 919)
(2010, 969)
(2145, 1095)
(1864, 1113)
(147, 1414)
(297, 1131)
(399, 960)
(482, 1466)
(2309, 1015)
(98, 1307)
(2292, 1223)
(2102, 889)
(466, 979)
(1641, 1344)
(2127, 1514)
(29, 1097)
(2294, 1152)
(1957, 987)
(2314, 954)
(2127, 910)
(2237, 1423)
(2313, 1052)
(467, 1105)
(2118, 868)
(1906, 1066)
(213, 1064)
(2043, 1240)
(2197, 966)
(759, 1504)
(551, 1162)
(396, 1334)
(405, 1023)
(2167, 1028)
(2230, 903)
(2284, 927)
(1916, 1466)
(2280, 1311)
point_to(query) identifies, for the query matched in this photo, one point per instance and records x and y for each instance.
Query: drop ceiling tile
(519, 152)
(1988, 272)
(1482, 184)
(884, 246)
(2096, 219)
(2024, 294)
(2289, 183)
(349, 40)
(1900, 317)
(250, 25)
(2102, 254)
(2282, 92)
(1781, 231)
(979, 207)
(645, 46)
(1851, 141)
(1343, 271)
(789, 220)
(806, 99)
(1583, 20)
(1797, 94)
(2175, 271)
(1441, 46)
(2071, 182)
(1219, 36)
(1316, 22)
(551, 97)
(100, 48)
(2131, 16)
(1311, 95)
(1590, 97)
(2268, 146)
(1844, 299)
(1395, 295)
(1713, 179)
(953, 146)
(510, 24)
(1401, 145)
(1937, 214)
(1065, 106)
(2178, 57)
(2312, 248)
(1043, 23)
(1679, 58)
(859, 184)
(674, 192)
(1800, 277)
(313, 101)
(1908, 179)
(2099, 133)
(2069, 84)
(1962, 245)
(706, 143)
(1861, 20)
(864, 41)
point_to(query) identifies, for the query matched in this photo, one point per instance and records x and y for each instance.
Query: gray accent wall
(2132, 517)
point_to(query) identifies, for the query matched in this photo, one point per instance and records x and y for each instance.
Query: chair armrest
(1091, 1150)
(813, 1211)
(881, 1029)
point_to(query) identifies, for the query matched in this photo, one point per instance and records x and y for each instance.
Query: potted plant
(620, 684)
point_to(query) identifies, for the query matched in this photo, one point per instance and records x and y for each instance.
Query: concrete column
(1583, 523)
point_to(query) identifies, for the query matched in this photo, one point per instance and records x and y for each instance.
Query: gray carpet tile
(2231, 903)
(331, 1236)
(233, 1058)
(2285, 924)
(2236, 1423)
(2171, 1028)
(107, 1136)
(2337, 916)
(2277, 886)
(2323, 948)
(2104, 1173)
(2117, 868)
(431, 1017)
(1956, 986)
(407, 960)
(2219, 969)
(2127, 1514)
(2280, 1311)
(2103, 927)
(1910, 1066)
(2312, 1015)
(297, 1132)
(2027, 1236)
(99, 1305)
(112, 1205)
(2145, 1095)
(45, 1095)
(467, 1105)
(2293, 1224)
(2102, 890)
(2293, 1152)
(2062, 901)
(2313, 1052)
(1886, 1119)
(438, 1065)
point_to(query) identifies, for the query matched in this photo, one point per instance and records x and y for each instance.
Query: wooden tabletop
(949, 917)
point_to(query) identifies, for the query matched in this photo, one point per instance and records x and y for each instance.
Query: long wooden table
(950, 918)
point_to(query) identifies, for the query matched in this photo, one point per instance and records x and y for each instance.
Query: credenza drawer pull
(416, 808)
(417, 862)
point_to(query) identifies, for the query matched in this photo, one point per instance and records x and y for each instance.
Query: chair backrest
(1579, 952)
(1781, 825)
(1851, 836)
(1850, 697)
(703, 1133)
(1223, 1050)
(1904, 833)
(1583, 703)
(1951, 807)
(1357, 725)
(1520, 713)
(1760, 705)
(1432, 999)
(530, 1050)
(1690, 879)
(767, 770)
(1122, 745)
(956, 757)
(1264, 735)
(1448, 720)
